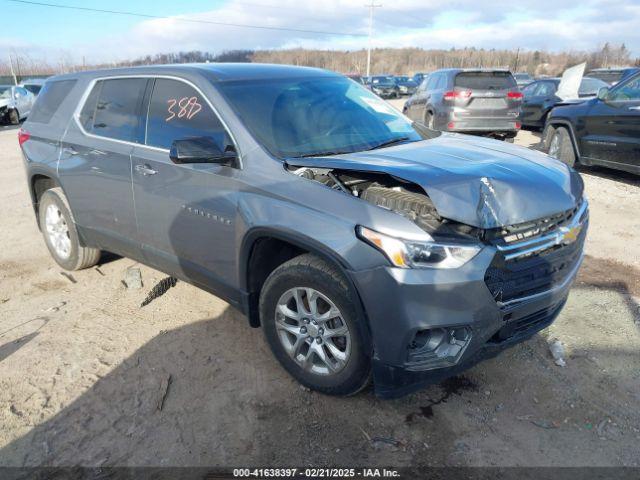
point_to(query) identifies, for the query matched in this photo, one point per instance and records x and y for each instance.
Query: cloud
(528, 24)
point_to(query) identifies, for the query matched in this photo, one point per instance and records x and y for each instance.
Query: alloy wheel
(58, 231)
(312, 331)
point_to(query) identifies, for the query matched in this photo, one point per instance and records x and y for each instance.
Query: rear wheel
(429, 120)
(60, 234)
(560, 146)
(313, 328)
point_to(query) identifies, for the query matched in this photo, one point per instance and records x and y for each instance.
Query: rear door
(612, 126)
(95, 163)
(486, 95)
(186, 213)
(538, 98)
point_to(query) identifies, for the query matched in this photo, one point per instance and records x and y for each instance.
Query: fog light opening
(438, 347)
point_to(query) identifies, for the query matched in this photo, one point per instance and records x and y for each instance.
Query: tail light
(518, 125)
(514, 95)
(455, 94)
(23, 136)
(451, 125)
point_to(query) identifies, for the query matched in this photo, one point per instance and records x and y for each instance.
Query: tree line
(384, 60)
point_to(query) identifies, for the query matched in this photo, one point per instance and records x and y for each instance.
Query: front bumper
(400, 303)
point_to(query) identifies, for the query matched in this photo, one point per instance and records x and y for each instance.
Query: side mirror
(201, 150)
(603, 93)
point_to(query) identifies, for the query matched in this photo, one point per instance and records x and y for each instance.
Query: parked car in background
(475, 101)
(385, 86)
(33, 85)
(522, 79)
(419, 77)
(601, 131)
(612, 75)
(406, 85)
(15, 103)
(540, 97)
(364, 245)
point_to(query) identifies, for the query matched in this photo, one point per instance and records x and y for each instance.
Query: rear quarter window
(49, 100)
(485, 80)
(112, 108)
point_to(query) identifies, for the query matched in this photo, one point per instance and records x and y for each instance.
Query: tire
(60, 233)
(429, 120)
(309, 273)
(561, 147)
(14, 117)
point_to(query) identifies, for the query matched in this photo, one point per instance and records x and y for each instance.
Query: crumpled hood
(473, 180)
(4, 102)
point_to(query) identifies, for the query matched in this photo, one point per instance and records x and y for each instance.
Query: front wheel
(14, 117)
(560, 145)
(313, 328)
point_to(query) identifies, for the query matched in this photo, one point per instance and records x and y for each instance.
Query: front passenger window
(178, 111)
(628, 92)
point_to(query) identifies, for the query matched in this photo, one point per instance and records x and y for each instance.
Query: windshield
(5, 92)
(521, 76)
(590, 86)
(316, 116)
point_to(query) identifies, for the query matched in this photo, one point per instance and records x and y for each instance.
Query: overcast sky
(49, 33)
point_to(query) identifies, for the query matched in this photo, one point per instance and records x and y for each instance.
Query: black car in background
(601, 131)
(476, 101)
(612, 75)
(406, 85)
(540, 97)
(385, 86)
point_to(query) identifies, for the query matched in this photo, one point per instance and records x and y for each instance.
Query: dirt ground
(87, 377)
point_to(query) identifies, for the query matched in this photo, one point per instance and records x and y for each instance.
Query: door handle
(145, 170)
(70, 151)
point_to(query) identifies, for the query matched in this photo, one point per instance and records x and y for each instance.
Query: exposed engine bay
(392, 193)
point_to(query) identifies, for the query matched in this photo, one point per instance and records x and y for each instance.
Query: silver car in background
(15, 103)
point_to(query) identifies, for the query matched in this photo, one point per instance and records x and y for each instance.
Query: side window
(51, 97)
(433, 81)
(111, 110)
(546, 89)
(629, 92)
(21, 91)
(530, 89)
(178, 111)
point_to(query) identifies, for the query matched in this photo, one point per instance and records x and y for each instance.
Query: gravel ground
(87, 377)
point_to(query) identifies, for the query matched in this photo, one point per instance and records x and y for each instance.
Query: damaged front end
(504, 236)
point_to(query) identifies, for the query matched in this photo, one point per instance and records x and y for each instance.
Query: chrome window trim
(91, 85)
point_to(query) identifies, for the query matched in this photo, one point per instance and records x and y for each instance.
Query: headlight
(419, 254)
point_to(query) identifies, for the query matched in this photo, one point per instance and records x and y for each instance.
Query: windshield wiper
(388, 143)
(327, 153)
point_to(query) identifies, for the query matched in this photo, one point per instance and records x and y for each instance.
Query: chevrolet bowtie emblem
(569, 234)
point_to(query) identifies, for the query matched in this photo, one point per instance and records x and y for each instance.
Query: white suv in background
(15, 103)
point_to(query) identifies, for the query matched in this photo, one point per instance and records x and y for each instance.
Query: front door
(186, 213)
(95, 164)
(612, 126)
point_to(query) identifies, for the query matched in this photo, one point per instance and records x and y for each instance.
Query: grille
(525, 325)
(533, 260)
